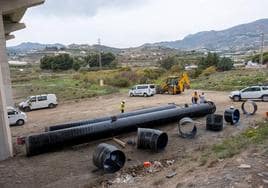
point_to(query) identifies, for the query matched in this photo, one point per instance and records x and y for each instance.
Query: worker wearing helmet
(122, 106)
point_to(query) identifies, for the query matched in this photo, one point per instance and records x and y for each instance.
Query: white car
(142, 90)
(38, 102)
(253, 92)
(15, 116)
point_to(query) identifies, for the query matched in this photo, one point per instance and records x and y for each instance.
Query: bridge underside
(11, 12)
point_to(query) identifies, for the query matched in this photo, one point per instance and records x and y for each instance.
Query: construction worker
(122, 106)
(202, 98)
(195, 97)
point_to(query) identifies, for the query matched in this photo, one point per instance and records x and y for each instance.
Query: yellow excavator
(175, 84)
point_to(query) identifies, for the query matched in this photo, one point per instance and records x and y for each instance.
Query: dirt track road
(73, 166)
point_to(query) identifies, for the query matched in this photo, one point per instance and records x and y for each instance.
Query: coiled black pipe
(108, 158)
(127, 114)
(232, 115)
(47, 141)
(214, 122)
(152, 139)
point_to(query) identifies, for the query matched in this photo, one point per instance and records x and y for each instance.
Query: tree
(62, 62)
(46, 62)
(76, 66)
(225, 64)
(107, 60)
(168, 62)
(212, 59)
(59, 62)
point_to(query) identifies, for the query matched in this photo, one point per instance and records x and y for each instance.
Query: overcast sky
(129, 23)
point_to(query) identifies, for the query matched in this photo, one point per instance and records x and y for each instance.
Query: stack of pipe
(48, 141)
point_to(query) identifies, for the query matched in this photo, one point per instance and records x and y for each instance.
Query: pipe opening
(236, 116)
(152, 139)
(162, 141)
(114, 162)
(232, 116)
(108, 158)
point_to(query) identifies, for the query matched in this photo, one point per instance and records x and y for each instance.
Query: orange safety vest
(195, 95)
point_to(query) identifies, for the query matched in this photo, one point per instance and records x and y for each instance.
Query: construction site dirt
(73, 166)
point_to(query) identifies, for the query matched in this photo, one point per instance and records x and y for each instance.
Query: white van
(142, 90)
(39, 101)
(15, 116)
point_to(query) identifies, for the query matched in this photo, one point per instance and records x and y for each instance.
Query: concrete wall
(5, 135)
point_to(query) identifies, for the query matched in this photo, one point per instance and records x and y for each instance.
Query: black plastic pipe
(108, 158)
(232, 116)
(127, 114)
(47, 141)
(214, 122)
(152, 139)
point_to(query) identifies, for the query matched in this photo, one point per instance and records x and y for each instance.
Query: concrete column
(5, 134)
(6, 74)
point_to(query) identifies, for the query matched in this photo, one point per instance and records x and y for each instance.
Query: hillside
(238, 38)
(241, 37)
(30, 46)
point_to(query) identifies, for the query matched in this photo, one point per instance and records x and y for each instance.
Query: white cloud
(131, 24)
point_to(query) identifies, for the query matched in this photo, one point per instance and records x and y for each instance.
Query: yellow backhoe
(175, 84)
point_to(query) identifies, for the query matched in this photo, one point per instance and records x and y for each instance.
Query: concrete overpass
(11, 12)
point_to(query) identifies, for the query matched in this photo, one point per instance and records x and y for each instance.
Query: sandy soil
(73, 166)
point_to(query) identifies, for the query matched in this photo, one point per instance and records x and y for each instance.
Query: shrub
(119, 82)
(208, 71)
(76, 66)
(225, 64)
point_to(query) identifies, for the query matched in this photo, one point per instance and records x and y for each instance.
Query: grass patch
(234, 145)
(231, 80)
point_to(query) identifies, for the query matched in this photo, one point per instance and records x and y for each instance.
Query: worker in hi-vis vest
(122, 106)
(195, 97)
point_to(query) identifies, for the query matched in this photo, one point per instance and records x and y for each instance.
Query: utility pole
(100, 63)
(262, 46)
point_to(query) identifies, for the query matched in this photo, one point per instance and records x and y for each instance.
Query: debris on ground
(147, 164)
(170, 162)
(170, 175)
(244, 166)
(156, 166)
(126, 178)
(265, 181)
(120, 142)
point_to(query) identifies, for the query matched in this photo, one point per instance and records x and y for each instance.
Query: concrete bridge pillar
(5, 135)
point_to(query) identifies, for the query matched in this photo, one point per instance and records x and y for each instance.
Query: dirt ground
(73, 166)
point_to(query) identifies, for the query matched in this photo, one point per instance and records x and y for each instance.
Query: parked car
(38, 102)
(253, 92)
(15, 116)
(142, 90)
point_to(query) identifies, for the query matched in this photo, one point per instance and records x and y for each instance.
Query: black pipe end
(162, 141)
(108, 158)
(114, 162)
(232, 116)
(152, 139)
(214, 122)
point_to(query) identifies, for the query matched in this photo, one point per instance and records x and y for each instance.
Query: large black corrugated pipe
(108, 158)
(152, 139)
(47, 141)
(232, 115)
(127, 114)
